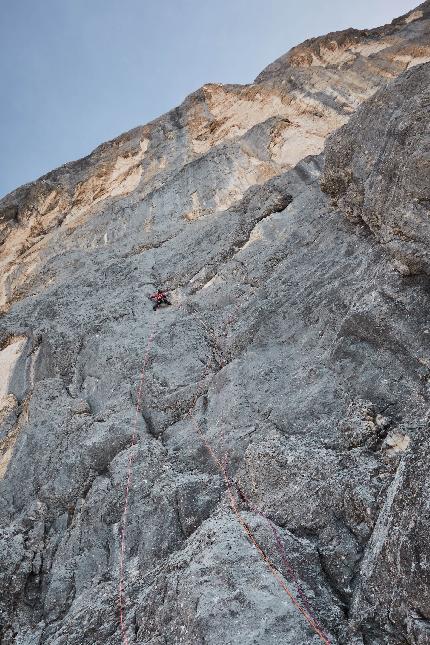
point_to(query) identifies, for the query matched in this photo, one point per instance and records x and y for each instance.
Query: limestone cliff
(248, 465)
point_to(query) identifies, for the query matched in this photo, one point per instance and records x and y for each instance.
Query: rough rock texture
(388, 187)
(276, 451)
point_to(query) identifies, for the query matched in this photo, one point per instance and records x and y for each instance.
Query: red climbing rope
(131, 456)
(278, 538)
(303, 608)
(249, 533)
(283, 553)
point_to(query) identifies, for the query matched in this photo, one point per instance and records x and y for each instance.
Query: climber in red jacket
(159, 297)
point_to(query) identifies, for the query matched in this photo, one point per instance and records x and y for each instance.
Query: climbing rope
(276, 534)
(251, 536)
(284, 557)
(304, 607)
(122, 601)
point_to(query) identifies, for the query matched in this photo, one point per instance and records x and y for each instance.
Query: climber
(159, 298)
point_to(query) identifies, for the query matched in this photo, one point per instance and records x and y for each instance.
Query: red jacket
(159, 296)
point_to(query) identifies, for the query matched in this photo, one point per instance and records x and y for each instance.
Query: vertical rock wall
(267, 481)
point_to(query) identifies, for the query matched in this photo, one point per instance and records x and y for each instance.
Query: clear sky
(75, 73)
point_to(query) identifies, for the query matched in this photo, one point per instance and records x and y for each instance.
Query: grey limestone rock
(250, 464)
(378, 168)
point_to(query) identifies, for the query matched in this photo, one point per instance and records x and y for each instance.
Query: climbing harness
(159, 298)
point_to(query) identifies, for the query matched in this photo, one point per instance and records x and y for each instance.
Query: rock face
(250, 464)
(388, 187)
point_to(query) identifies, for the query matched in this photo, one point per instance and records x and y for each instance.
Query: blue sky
(75, 73)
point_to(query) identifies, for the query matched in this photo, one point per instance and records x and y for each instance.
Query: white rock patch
(8, 359)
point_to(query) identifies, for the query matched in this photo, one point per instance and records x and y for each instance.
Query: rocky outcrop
(343, 68)
(207, 152)
(378, 168)
(247, 465)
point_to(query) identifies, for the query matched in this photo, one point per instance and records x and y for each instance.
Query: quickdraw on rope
(122, 601)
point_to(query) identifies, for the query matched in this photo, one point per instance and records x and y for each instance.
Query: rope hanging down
(121, 589)
(313, 623)
(304, 608)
